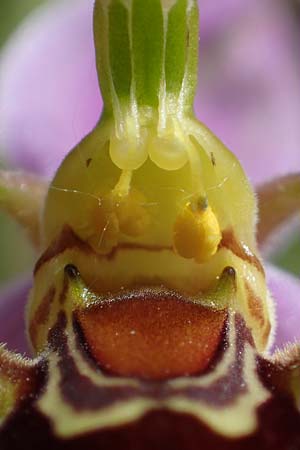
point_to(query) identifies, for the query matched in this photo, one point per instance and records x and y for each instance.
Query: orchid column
(151, 197)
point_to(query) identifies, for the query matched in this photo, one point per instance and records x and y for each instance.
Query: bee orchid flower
(150, 320)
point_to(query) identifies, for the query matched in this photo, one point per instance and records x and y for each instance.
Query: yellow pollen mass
(197, 231)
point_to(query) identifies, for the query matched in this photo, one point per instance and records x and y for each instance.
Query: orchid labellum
(149, 318)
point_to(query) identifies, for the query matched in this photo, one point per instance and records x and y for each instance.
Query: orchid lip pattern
(149, 317)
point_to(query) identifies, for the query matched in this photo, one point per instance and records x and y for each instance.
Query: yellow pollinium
(197, 233)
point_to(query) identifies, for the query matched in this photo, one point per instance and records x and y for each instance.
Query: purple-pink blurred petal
(13, 298)
(285, 290)
(249, 91)
(49, 95)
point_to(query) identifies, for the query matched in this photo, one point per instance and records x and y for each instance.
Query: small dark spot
(202, 203)
(188, 38)
(230, 271)
(71, 271)
(88, 162)
(213, 159)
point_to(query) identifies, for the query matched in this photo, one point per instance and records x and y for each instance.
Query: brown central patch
(152, 335)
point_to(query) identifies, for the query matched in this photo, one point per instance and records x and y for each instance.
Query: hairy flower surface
(149, 318)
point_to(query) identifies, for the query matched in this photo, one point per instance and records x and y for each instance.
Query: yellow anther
(197, 232)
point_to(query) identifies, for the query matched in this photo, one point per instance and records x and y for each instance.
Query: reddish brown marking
(41, 314)
(88, 162)
(230, 242)
(255, 305)
(68, 240)
(152, 335)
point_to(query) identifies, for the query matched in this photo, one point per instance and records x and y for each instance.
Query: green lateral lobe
(18, 189)
(278, 202)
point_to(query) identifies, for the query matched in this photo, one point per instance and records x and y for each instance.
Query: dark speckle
(230, 271)
(188, 38)
(71, 271)
(213, 159)
(88, 162)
